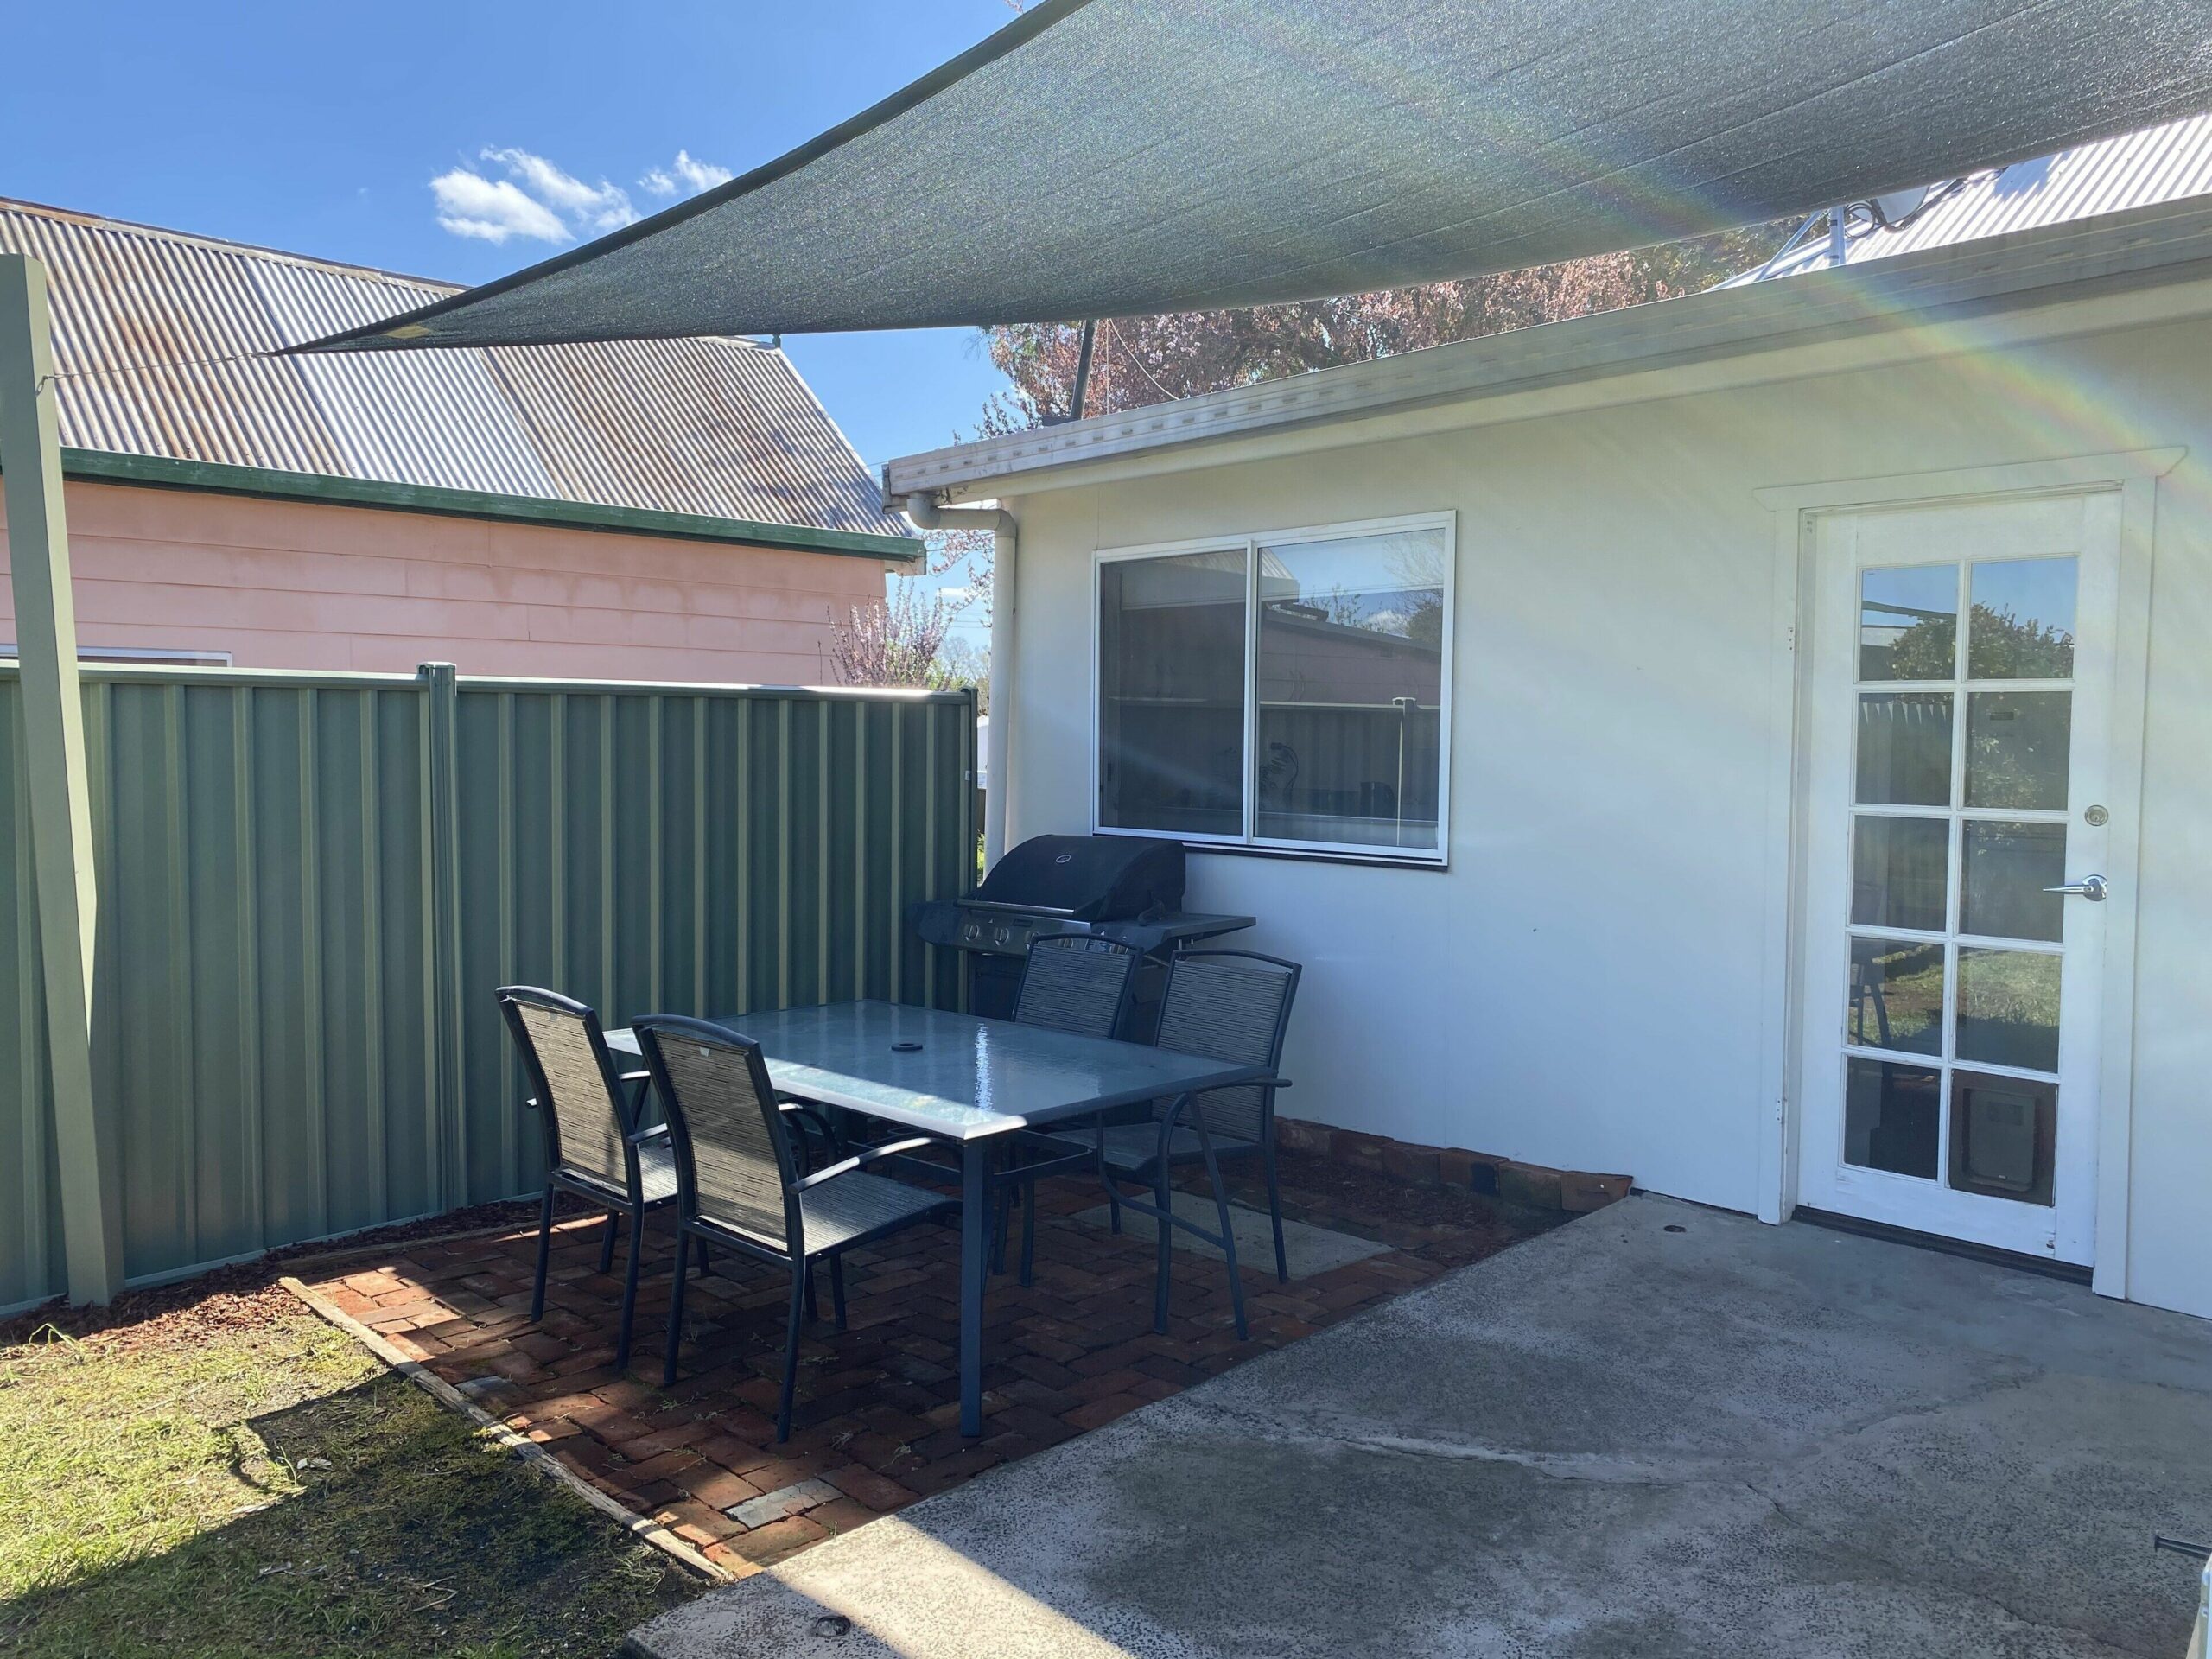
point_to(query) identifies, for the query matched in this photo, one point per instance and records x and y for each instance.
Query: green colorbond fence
(310, 885)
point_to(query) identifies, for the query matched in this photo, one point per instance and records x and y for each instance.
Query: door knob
(2091, 888)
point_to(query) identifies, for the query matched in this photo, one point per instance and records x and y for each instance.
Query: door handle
(2091, 888)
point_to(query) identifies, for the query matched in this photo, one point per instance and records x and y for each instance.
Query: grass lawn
(234, 1476)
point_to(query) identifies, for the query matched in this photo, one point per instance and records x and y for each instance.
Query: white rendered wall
(1586, 985)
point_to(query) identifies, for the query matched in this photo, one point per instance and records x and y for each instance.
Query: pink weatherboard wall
(290, 584)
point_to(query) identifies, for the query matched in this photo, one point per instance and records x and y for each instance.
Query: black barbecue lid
(1088, 878)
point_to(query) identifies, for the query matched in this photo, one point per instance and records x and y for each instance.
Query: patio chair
(595, 1147)
(738, 1182)
(1226, 1005)
(1072, 982)
(1076, 983)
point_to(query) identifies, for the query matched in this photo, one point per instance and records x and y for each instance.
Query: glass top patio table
(970, 1078)
(965, 1079)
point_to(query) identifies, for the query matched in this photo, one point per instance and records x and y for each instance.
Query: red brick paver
(877, 1422)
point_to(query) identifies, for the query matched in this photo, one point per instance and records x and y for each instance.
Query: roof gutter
(923, 512)
(2114, 253)
(166, 472)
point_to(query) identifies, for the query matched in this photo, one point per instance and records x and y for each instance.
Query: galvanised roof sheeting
(165, 345)
(2170, 162)
(1119, 157)
(473, 438)
(651, 423)
(156, 341)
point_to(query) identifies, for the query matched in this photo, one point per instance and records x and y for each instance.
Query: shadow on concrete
(1658, 1431)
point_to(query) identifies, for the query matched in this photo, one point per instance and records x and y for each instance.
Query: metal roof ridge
(1725, 321)
(224, 244)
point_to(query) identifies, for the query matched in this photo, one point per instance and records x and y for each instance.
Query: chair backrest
(733, 1159)
(1229, 1005)
(587, 1115)
(1074, 983)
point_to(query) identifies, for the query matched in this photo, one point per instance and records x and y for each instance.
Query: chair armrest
(846, 1166)
(647, 1137)
(812, 1117)
(636, 1076)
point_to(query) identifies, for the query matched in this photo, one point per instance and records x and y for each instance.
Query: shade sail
(1120, 157)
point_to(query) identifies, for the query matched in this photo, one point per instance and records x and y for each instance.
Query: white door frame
(2134, 475)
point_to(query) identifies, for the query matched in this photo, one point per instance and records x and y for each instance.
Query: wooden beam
(54, 745)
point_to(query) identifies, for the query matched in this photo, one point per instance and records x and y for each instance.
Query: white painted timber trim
(2134, 474)
(2052, 281)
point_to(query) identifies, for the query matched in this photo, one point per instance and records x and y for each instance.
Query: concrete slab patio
(1657, 1431)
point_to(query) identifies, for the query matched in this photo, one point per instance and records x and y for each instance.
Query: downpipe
(923, 511)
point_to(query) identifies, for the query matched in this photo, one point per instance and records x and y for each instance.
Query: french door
(1957, 736)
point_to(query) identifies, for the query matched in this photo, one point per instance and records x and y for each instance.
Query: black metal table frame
(977, 1148)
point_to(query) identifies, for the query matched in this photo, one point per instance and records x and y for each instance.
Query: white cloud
(471, 205)
(602, 206)
(541, 201)
(700, 175)
(686, 175)
(537, 201)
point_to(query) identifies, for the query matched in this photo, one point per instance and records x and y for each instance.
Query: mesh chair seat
(848, 1208)
(1135, 1146)
(656, 1175)
(845, 1210)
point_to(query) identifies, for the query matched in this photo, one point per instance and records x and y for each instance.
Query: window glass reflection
(2004, 868)
(2008, 1009)
(1904, 749)
(2022, 627)
(1351, 689)
(1897, 996)
(1892, 1116)
(2018, 744)
(1909, 623)
(1170, 693)
(1898, 873)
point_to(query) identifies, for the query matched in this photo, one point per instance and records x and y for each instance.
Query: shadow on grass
(407, 1533)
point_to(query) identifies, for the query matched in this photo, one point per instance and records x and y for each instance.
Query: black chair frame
(1031, 1155)
(794, 1255)
(626, 1092)
(1160, 1167)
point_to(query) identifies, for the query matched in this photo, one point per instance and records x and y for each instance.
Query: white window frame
(1250, 544)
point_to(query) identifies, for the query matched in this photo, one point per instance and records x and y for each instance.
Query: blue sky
(320, 129)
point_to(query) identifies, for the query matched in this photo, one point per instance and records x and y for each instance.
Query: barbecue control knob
(1005, 936)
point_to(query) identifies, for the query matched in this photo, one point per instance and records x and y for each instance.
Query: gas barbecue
(1117, 887)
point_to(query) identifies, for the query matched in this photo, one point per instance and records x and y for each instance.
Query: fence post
(61, 792)
(449, 1012)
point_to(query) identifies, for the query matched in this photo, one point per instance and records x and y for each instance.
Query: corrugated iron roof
(160, 344)
(2170, 162)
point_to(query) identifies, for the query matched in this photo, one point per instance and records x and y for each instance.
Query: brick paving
(876, 1424)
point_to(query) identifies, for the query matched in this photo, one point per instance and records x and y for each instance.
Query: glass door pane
(1962, 746)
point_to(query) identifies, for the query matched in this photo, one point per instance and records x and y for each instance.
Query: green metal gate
(310, 884)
